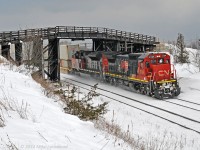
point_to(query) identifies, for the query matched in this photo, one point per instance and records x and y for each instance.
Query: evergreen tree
(183, 55)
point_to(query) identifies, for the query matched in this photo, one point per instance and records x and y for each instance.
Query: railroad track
(166, 101)
(146, 104)
(188, 101)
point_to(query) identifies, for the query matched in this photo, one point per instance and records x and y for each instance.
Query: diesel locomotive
(149, 73)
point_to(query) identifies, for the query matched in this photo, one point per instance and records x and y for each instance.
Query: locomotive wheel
(112, 81)
(107, 79)
(159, 95)
(115, 82)
(142, 89)
(150, 94)
(146, 90)
(172, 94)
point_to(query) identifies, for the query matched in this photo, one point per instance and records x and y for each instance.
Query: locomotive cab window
(142, 65)
(160, 61)
(147, 64)
(153, 61)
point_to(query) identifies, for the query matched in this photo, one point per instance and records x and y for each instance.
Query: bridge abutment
(53, 60)
(5, 50)
(37, 52)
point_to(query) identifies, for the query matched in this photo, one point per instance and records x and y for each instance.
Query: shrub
(84, 108)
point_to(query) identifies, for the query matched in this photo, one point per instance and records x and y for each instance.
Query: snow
(43, 124)
(46, 126)
(148, 127)
(144, 126)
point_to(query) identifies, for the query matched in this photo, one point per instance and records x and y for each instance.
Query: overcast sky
(161, 18)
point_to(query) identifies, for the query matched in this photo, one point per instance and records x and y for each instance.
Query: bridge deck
(73, 32)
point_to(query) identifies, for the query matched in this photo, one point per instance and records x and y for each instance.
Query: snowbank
(33, 121)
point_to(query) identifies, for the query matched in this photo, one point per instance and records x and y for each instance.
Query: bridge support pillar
(53, 60)
(143, 48)
(18, 53)
(37, 52)
(117, 44)
(98, 45)
(5, 51)
(125, 46)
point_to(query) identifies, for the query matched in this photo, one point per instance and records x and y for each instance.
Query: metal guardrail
(47, 33)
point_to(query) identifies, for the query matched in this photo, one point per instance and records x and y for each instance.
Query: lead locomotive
(148, 73)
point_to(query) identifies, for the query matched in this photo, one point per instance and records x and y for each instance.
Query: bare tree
(32, 54)
(194, 44)
(196, 59)
(182, 54)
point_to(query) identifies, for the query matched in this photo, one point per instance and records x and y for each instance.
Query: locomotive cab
(163, 75)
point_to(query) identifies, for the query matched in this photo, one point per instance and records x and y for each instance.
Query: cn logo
(162, 73)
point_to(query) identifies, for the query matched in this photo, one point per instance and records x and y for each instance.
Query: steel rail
(183, 126)
(170, 112)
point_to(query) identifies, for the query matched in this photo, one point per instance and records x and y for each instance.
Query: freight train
(149, 73)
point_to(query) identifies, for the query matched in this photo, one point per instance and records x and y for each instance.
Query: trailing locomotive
(148, 73)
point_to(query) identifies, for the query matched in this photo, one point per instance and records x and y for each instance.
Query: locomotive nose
(161, 72)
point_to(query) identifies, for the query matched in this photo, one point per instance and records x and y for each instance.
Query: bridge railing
(53, 31)
(108, 32)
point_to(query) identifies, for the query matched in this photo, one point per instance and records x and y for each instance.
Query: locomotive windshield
(159, 61)
(153, 61)
(159, 58)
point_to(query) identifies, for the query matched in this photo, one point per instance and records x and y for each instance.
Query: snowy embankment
(30, 120)
(189, 76)
(148, 128)
(144, 127)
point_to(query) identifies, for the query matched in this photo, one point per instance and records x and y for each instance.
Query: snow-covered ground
(34, 121)
(149, 128)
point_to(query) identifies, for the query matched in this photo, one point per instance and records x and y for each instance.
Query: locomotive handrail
(173, 70)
